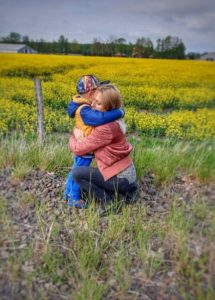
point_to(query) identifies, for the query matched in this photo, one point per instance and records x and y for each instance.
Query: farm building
(208, 56)
(16, 48)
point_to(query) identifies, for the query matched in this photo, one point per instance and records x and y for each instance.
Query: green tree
(74, 47)
(25, 39)
(143, 48)
(13, 37)
(41, 46)
(120, 46)
(63, 45)
(193, 55)
(170, 47)
(97, 47)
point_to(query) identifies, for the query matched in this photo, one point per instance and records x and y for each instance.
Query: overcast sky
(191, 20)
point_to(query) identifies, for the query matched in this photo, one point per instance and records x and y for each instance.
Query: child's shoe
(80, 204)
(66, 197)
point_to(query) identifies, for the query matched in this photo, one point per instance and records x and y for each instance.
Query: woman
(116, 174)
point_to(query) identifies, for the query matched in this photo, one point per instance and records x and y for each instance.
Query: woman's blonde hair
(110, 96)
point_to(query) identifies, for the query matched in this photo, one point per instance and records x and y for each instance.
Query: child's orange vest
(78, 119)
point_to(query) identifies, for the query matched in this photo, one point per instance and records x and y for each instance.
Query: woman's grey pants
(92, 183)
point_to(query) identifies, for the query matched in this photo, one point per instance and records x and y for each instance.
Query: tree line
(168, 47)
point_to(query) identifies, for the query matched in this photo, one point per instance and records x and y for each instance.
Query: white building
(16, 48)
(208, 56)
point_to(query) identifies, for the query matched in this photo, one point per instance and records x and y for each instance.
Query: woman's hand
(78, 134)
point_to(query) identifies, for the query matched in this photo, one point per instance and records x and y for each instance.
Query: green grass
(21, 155)
(91, 258)
(80, 255)
(168, 157)
(165, 158)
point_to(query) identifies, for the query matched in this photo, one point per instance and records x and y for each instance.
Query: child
(86, 119)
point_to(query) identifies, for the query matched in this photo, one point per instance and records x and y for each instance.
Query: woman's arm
(100, 137)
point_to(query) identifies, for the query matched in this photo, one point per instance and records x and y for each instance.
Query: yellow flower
(161, 97)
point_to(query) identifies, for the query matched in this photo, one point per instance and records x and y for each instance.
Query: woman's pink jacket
(110, 147)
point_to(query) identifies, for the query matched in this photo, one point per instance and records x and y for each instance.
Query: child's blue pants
(72, 190)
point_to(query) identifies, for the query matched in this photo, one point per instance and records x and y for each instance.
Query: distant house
(208, 56)
(16, 48)
(120, 54)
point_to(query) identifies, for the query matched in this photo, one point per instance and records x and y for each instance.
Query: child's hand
(78, 134)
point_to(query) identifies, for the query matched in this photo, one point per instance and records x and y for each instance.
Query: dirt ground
(47, 188)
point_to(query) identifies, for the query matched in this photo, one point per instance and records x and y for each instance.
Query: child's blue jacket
(94, 117)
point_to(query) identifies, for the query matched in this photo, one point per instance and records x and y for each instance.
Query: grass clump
(168, 157)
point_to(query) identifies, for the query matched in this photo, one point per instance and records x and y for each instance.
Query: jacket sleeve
(92, 142)
(95, 118)
(72, 108)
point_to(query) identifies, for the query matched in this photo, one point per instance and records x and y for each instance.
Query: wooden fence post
(40, 110)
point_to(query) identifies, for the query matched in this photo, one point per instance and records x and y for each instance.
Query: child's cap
(88, 83)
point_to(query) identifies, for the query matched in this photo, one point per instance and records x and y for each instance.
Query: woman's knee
(80, 173)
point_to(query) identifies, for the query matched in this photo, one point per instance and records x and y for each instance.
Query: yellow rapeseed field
(161, 97)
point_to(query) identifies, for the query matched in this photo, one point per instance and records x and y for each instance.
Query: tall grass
(23, 155)
(94, 257)
(165, 158)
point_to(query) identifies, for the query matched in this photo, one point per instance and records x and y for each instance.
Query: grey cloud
(182, 7)
(193, 21)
